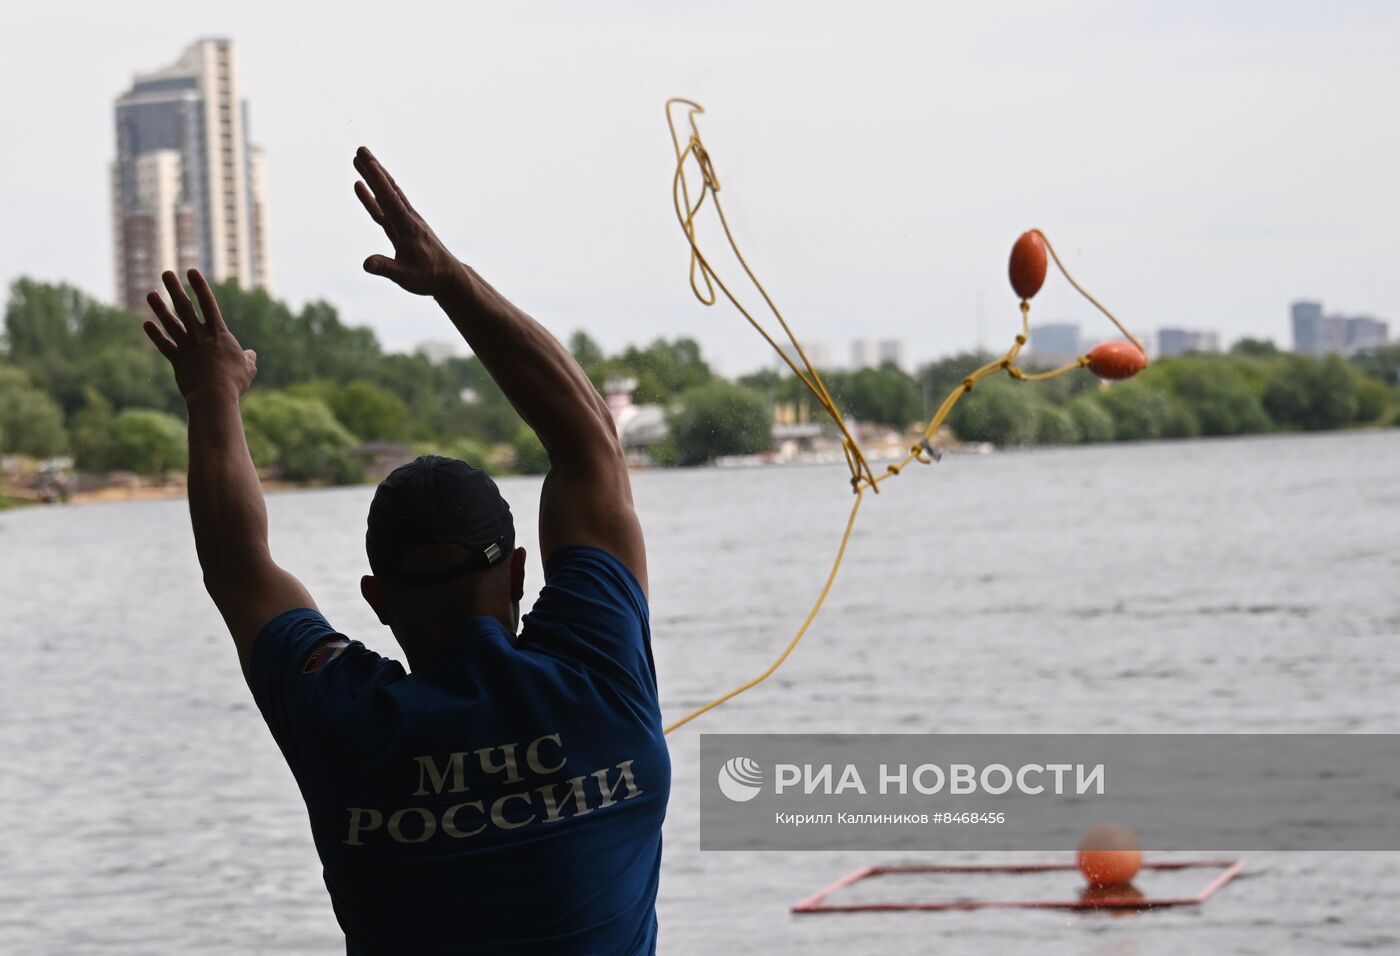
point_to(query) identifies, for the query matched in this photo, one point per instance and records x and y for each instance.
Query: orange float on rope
(1116, 360)
(1028, 264)
(1109, 855)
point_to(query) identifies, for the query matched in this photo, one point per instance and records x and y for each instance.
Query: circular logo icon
(740, 779)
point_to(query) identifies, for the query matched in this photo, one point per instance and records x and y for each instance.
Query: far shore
(141, 492)
(174, 487)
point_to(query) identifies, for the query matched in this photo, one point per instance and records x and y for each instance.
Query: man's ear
(373, 594)
(517, 574)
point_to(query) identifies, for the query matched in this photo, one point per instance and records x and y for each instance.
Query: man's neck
(422, 639)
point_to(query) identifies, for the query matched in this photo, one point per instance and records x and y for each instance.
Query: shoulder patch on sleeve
(324, 653)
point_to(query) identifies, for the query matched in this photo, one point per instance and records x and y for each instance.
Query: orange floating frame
(816, 903)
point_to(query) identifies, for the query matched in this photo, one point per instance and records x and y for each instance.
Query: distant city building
(893, 352)
(865, 353)
(187, 189)
(437, 351)
(818, 352)
(1313, 332)
(1317, 334)
(1365, 332)
(1054, 344)
(873, 353)
(1172, 342)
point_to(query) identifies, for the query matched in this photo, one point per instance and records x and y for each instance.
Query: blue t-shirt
(505, 797)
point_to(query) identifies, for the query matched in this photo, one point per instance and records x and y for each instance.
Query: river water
(1214, 586)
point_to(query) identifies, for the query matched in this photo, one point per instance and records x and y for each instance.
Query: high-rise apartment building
(1313, 332)
(1318, 334)
(187, 189)
(865, 353)
(1173, 342)
(819, 353)
(1364, 332)
(893, 352)
(874, 353)
(1056, 343)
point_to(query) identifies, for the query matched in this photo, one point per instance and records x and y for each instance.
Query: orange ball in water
(1116, 360)
(1109, 855)
(1028, 264)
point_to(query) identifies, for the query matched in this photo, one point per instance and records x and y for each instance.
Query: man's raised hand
(421, 263)
(207, 359)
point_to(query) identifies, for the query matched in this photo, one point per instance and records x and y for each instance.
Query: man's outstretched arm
(226, 502)
(587, 498)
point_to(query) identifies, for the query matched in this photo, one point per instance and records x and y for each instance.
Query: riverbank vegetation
(78, 379)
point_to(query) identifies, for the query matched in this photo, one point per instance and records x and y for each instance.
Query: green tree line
(1250, 390)
(77, 377)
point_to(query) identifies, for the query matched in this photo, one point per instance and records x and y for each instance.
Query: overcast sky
(1199, 163)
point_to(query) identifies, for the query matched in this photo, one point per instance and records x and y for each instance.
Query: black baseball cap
(436, 500)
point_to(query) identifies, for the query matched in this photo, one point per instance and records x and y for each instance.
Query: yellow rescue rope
(703, 282)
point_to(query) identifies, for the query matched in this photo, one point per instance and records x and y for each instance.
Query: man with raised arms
(507, 795)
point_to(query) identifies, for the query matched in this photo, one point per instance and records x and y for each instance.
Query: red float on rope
(1116, 360)
(1028, 264)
